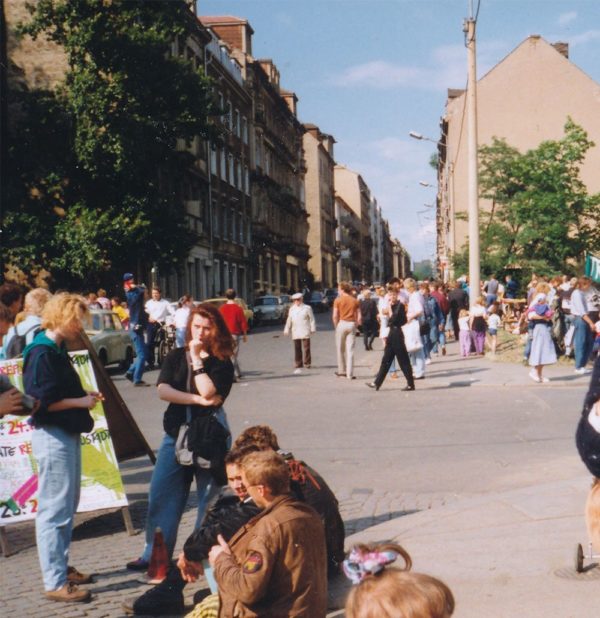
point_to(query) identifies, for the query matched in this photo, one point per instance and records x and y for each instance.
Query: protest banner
(101, 483)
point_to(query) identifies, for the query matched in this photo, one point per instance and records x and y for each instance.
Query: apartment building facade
(354, 192)
(279, 252)
(320, 199)
(525, 99)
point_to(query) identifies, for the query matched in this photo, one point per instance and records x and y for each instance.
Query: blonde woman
(63, 415)
(22, 334)
(415, 311)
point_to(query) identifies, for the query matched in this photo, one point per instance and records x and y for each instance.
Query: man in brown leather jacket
(276, 565)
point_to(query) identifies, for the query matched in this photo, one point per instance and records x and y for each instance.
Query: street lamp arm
(420, 136)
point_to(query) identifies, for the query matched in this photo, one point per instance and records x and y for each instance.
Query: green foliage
(104, 187)
(542, 218)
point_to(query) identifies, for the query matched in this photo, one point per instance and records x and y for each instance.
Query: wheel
(103, 357)
(126, 362)
(579, 558)
(163, 350)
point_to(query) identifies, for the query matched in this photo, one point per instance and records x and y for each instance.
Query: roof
(224, 20)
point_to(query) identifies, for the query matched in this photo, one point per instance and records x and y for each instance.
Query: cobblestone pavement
(385, 454)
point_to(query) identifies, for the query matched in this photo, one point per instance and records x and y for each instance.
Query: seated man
(276, 565)
(230, 510)
(307, 485)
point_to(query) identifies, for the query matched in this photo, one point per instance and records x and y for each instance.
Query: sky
(370, 71)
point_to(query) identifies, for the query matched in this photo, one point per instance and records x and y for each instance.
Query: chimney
(562, 48)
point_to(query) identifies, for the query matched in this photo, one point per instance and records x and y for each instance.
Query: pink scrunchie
(358, 564)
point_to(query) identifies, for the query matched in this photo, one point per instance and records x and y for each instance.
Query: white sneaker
(534, 376)
(428, 361)
(297, 371)
(545, 380)
(582, 371)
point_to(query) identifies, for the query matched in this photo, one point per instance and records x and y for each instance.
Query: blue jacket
(137, 311)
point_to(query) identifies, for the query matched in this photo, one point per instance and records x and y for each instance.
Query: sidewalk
(514, 550)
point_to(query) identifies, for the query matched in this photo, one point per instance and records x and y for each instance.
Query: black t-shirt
(49, 376)
(174, 372)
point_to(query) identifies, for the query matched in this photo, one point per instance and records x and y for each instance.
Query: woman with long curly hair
(195, 381)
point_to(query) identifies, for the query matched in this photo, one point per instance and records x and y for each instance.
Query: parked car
(248, 313)
(112, 342)
(330, 295)
(268, 309)
(318, 302)
(286, 299)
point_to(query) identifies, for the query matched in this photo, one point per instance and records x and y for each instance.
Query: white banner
(101, 483)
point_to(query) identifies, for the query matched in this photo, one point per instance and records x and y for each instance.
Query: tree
(541, 215)
(109, 191)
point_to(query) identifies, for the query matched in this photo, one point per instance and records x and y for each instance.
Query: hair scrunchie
(360, 564)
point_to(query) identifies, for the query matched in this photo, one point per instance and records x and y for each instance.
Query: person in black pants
(458, 300)
(395, 346)
(368, 311)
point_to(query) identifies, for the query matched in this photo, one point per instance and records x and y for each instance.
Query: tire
(126, 363)
(163, 350)
(103, 357)
(578, 558)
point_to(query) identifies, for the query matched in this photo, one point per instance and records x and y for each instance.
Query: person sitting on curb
(231, 509)
(276, 564)
(307, 485)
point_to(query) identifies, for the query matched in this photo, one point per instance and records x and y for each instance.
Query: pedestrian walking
(346, 317)
(458, 299)
(583, 337)
(437, 291)
(195, 381)
(395, 347)
(542, 350)
(300, 324)
(368, 312)
(478, 325)
(237, 324)
(491, 289)
(138, 322)
(158, 310)
(63, 415)
(493, 324)
(464, 333)
(180, 319)
(415, 311)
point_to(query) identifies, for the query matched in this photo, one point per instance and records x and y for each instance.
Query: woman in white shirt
(180, 320)
(415, 312)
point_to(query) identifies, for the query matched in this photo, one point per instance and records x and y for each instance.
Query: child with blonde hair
(383, 592)
(464, 333)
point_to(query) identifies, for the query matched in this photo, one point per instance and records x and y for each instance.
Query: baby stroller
(588, 444)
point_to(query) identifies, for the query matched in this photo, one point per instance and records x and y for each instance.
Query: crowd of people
(268, 534)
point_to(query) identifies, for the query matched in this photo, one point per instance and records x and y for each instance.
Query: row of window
(231, 225)
(230, 170)
(233, 120)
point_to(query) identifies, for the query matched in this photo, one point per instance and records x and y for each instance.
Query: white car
(112, 342)
(269, 309)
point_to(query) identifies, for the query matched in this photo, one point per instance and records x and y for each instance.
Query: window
(229, 116)
(231, 170)
(258, 151)
(239, 181)
(241, 230)
(215, 218)
(236, 122)
(222, 106)
(233, 234)
(244, 130)
(213, 161)
(246, 180)
(223, 171)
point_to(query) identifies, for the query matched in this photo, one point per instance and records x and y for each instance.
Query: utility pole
(473, 184)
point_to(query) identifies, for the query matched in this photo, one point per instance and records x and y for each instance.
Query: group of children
(477, 325)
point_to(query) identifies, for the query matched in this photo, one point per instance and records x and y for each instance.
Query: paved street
(442, 469)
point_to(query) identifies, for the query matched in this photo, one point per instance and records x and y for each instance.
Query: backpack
(17, 343)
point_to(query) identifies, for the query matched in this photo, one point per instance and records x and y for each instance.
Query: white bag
(412, 336)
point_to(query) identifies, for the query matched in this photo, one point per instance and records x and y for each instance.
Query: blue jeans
(169, 490)
(417, 360)
(136, 370)
(58, 456)
(490, 298)
(583, 342)
(180, 337)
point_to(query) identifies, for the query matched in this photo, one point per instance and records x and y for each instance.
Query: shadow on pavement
(362, 523)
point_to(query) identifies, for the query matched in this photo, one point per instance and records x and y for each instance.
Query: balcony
(224, 59)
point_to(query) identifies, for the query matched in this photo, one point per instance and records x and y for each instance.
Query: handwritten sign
(101, 483)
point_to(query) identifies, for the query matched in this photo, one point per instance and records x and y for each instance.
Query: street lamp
(420, 136)
(423, 183)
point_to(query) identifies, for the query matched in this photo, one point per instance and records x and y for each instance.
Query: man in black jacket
(230, 510)
(395, 347)
(368, 311)
(458, 299)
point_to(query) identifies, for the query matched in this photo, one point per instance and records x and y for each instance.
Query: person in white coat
(300, 324)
